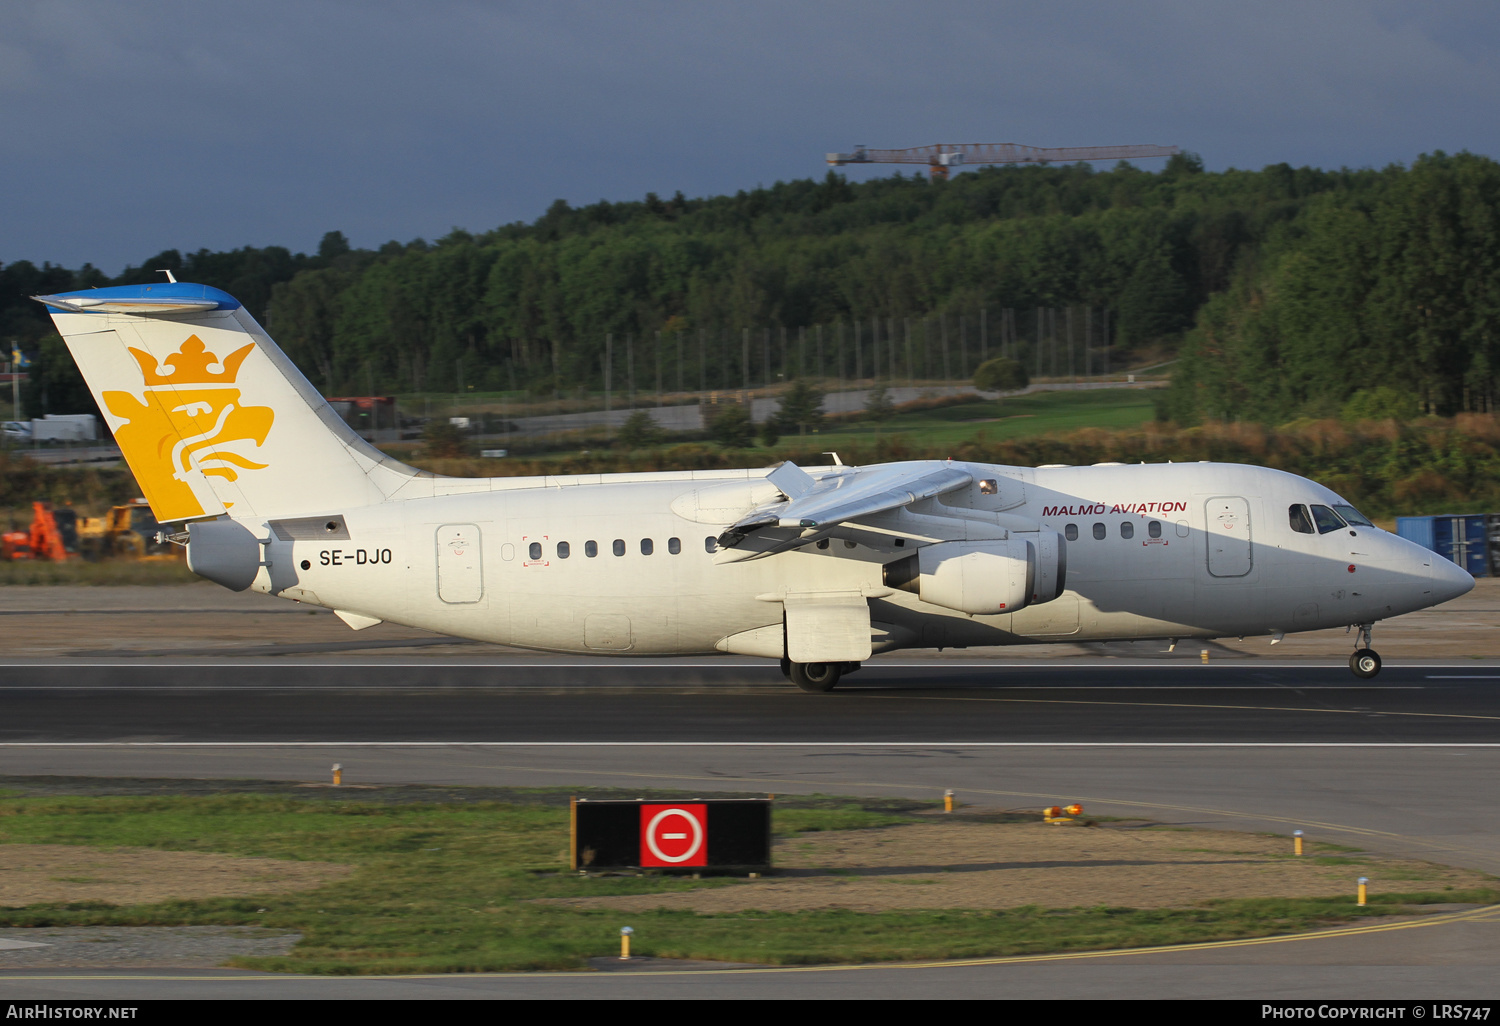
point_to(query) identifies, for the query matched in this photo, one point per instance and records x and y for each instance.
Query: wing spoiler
(814, 504)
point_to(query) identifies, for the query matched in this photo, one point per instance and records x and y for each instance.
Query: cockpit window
(1353, 517)
(1326, 519)
(1301, 521)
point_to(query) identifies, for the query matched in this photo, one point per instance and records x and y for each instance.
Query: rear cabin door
(460, 577)
(1228, 530)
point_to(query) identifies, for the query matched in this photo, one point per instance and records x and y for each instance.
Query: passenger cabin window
(710, 544)
(1100, 532)
(619, 546)
(535, 550)
(1326, 519)
(989, 487)
(1071, 532)
(1127, 530)
(591, 549)
(1300, 520)
(1154, 529)
(674, 545)
(564, 550)
(1352, 516)
(647, 547)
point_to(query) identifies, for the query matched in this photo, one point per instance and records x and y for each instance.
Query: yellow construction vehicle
(125, 532)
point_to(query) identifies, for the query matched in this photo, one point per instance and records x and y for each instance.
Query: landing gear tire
(1365, 663)
(815, 677)
(786, 668)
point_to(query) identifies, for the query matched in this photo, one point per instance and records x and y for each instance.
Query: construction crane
(941, 156)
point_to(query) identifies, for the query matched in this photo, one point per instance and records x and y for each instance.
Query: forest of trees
(1392, 288)
(1291, 292)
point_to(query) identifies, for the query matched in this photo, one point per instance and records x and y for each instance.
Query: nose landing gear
(1365, 663)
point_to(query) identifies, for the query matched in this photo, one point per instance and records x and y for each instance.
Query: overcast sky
(127, 128)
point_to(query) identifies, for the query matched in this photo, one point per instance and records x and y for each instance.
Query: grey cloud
(127, 128)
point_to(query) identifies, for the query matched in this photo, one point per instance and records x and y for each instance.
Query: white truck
(55, 427)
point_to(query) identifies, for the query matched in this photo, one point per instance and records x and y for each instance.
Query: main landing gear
(816, 677)
(1364, 662)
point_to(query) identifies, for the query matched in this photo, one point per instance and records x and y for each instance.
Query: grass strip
(445, 886)
(107, 573)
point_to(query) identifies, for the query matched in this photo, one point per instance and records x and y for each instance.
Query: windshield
(1353, 516)
(1326, 519)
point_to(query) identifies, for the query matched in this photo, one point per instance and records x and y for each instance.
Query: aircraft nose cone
(1449, 580)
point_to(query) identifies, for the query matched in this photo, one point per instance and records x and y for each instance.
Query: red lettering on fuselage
(1099, 508)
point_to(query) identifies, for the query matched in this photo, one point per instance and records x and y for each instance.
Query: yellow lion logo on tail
(186, 419)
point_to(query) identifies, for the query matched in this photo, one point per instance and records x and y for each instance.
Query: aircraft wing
(812, 504)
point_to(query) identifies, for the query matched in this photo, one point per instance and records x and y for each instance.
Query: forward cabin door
(1229, 545)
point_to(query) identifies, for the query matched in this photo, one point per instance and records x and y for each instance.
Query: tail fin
(209, 412)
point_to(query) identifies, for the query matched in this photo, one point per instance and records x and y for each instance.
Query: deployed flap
(827, 628)
(841, 497)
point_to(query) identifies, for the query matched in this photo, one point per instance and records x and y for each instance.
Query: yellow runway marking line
(1472, 915)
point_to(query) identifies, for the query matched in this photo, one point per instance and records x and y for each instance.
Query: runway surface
(709, 702)
(1407, 764)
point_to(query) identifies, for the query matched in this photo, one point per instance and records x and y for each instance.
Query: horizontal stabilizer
(142, 300)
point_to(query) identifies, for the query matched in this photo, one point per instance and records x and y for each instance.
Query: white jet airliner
(818, 567)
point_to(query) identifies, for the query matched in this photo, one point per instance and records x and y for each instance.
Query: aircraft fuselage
(630, 564)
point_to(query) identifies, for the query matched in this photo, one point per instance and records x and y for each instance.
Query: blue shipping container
(1461, 537)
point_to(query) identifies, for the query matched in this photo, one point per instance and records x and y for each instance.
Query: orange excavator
(48, 538)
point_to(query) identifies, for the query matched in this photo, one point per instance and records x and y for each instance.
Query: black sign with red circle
(674, 835)
(726, 833)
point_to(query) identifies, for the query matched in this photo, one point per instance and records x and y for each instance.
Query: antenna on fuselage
(168, 273)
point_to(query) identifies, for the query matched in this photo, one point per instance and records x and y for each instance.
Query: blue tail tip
(164, 293)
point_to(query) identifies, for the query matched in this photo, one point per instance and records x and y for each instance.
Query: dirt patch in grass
(1012, 865)
(34, 874)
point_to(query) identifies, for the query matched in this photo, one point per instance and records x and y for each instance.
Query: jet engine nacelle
(1051, 566)
(977, 577)
(984, 577)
